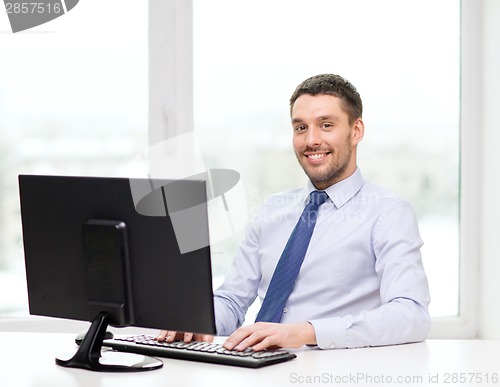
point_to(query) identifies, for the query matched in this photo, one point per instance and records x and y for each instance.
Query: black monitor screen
(91, 247)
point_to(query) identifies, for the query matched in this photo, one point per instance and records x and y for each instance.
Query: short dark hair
(335, 85)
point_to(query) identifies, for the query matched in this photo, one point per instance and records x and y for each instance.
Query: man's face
(324, 142)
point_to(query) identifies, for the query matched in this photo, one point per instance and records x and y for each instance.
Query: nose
(313, 136)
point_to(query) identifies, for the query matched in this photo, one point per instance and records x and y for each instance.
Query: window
(245, 61)
(73, 100)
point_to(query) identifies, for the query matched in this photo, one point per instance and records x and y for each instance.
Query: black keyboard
(197, 351)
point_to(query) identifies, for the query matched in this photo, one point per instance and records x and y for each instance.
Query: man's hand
(169, 336)
(263, 335)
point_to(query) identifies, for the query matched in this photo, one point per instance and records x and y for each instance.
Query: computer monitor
(91, 254)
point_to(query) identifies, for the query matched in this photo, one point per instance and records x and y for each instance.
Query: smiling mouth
(315, 157)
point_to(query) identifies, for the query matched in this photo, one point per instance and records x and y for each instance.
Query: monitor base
(91, 356)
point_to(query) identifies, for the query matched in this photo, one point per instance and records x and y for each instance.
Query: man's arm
(383, 326)
(400, 321)
(404, 292)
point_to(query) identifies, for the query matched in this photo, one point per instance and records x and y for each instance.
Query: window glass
(73, 101)
(403, 56)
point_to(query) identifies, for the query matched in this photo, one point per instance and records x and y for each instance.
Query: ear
(358, 131)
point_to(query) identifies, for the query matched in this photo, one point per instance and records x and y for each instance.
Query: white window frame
(465, 325)
(171, 108)
(170, 69)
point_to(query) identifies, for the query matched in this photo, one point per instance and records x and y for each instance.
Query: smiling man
(325, 138)
(337, 263)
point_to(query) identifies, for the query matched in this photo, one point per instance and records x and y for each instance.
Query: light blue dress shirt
(362, 282)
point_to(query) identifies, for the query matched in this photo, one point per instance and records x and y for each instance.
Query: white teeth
(316, 156)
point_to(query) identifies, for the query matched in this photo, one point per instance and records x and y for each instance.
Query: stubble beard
(333, 171)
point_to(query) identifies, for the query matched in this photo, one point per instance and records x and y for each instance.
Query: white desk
(27, 360)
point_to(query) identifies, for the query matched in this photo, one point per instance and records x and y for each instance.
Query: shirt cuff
(331, 332)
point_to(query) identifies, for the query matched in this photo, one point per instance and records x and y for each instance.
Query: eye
(300, 128)
(327, 125)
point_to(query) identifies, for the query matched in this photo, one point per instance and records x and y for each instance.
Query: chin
(325, 180)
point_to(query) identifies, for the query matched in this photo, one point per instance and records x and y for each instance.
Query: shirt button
(285, 310)
(332, 346)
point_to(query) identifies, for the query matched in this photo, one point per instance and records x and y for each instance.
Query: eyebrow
(325, 117)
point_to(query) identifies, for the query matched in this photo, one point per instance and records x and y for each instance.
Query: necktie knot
(318, 197)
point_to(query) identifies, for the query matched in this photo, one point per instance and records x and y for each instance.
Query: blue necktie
(291, 259)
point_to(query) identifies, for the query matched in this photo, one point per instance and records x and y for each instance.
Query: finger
(207, 338)
(255, 341)
(268, 342)
(188, 336)
(172, 336)
(167, 336)
(162, 336)
(238, 336)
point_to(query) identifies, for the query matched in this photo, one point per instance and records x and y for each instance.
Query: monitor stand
(90, 357)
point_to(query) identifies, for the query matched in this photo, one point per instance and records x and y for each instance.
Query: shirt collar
(343, 191)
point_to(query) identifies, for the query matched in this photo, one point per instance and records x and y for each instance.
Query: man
(361, 281)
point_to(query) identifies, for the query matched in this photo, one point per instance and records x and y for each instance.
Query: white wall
(489, 269)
